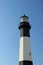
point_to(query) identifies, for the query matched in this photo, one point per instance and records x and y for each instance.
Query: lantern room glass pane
(24, 19)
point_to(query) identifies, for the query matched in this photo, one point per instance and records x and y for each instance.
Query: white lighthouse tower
(25, 57)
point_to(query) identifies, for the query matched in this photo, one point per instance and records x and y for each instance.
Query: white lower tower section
(25, 49)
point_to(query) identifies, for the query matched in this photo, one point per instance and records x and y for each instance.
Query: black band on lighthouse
(24, 32)
(25, 62)
(24, 29)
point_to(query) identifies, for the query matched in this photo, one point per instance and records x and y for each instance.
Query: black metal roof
(24, 16)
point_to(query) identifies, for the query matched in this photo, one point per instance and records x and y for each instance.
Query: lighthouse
(25, 56)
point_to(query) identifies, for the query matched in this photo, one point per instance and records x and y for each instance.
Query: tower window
(30, 53)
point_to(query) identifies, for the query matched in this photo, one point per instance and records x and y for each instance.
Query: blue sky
(10, 13)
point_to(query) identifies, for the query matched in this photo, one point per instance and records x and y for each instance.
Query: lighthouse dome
(24, 18)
